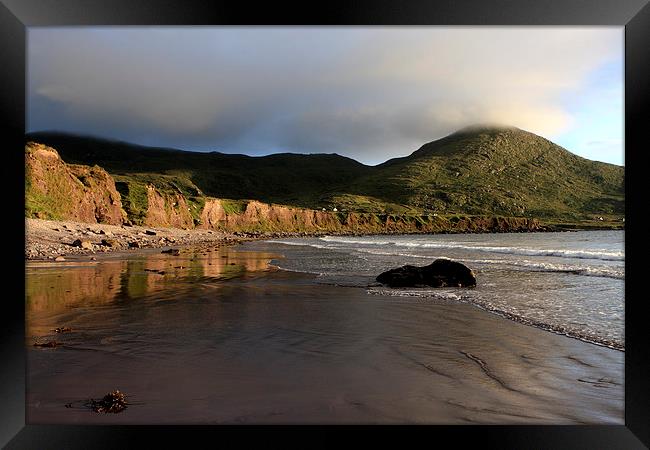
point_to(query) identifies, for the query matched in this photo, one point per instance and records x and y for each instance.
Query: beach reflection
(52, 288)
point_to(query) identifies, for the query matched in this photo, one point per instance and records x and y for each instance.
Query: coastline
(49, 239)
(558, 330)
(482, 302)
(46, 240)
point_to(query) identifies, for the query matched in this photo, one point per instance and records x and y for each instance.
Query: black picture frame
(17, 15)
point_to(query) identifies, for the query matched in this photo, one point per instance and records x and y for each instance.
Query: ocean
(566, 282)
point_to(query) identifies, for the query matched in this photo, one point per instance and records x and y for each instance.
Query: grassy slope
(491, 171)
(498, 171)
(55, 204)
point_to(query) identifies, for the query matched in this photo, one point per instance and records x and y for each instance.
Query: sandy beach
(216, 335)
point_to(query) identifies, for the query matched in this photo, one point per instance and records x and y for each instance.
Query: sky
(369, 93)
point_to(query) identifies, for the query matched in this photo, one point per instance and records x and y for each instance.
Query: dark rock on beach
(82, 244)
(440, 273)
(111, 243)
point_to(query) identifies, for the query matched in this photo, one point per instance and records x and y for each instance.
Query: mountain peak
(485, 127)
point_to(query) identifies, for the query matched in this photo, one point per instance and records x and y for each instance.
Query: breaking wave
(577, 254)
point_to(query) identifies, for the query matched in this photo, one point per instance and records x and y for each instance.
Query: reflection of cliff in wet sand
(53, 288)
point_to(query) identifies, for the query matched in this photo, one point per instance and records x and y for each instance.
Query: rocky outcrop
(56, 190)
(440, 273)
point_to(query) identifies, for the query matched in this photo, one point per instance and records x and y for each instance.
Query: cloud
(369, 93)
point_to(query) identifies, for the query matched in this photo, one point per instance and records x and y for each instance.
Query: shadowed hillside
(282, 178)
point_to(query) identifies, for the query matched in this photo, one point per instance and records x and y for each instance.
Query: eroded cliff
(56, 190)
(262, 217)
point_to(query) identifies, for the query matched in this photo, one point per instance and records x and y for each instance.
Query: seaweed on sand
(113, 402)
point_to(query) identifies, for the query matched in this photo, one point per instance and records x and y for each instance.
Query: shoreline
(56, 237)
(556, 330)
(45, 240)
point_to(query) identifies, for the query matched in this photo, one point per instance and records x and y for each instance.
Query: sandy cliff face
(213, 215)
(56, 190)
(259, 216)
(276, 218)
(167, 210)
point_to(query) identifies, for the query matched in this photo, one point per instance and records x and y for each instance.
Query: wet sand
(222, 337)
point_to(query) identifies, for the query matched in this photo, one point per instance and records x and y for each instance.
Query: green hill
(503, 171)
(478, 171)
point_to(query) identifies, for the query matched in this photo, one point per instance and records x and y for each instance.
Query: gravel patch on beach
(50, 239)
(56, 239)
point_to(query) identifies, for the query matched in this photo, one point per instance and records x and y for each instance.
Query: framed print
(372, 214)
